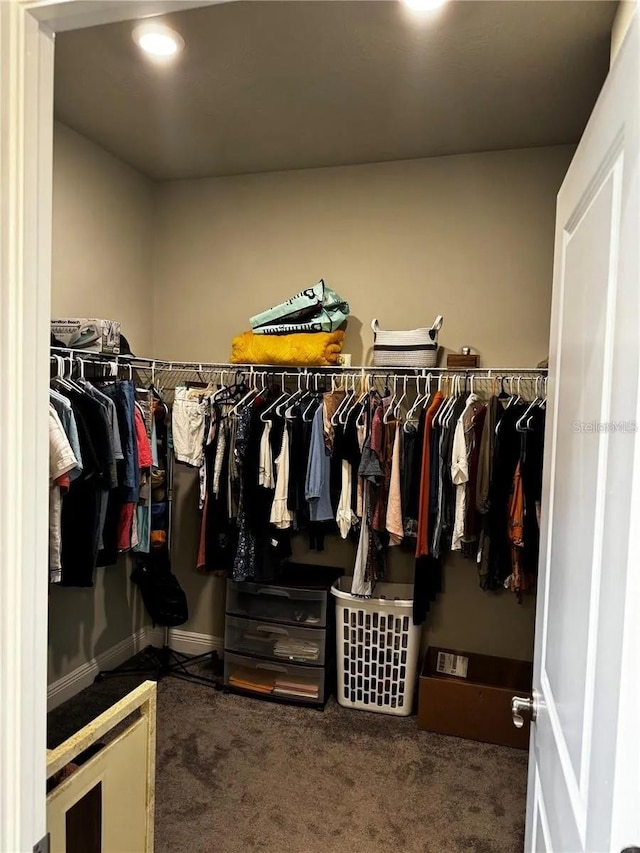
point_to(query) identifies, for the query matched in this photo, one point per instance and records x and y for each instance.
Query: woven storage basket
(410, 348)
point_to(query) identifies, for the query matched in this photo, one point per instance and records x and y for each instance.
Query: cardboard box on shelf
(88, 333)
(469, 695)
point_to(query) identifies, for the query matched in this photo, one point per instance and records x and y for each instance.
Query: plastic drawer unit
(280, 639)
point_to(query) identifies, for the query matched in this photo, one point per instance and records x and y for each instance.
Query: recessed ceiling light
(424, 5)
(158, 40)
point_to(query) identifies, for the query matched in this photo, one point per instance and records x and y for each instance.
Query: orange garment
(64, 481)
(518, 580)
(202, 548)
(422, 543)
(158, 538)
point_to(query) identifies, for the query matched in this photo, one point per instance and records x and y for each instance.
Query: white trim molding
(27, 29)
(64, 15)
(187, 642)
(192, 643)
(26, 153)
(83, 676)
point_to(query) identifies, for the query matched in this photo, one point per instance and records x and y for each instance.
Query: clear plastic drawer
(279, 680)
(286, 643)
(304, 607)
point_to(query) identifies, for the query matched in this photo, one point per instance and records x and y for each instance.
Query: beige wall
(102, 238)
(102, 267)
(469, 236)
(621, 22)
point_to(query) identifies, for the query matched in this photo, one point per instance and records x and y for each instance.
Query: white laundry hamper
(377, 648)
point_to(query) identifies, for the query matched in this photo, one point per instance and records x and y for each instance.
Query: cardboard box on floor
(469, 695)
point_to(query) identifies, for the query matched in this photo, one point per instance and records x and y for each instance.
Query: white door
(584, 777)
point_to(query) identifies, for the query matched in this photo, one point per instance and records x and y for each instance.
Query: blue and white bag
(316, 309)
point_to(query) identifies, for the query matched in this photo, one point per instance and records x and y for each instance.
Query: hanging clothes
(506, 455)
(245, 552)
(82, 505)
(393, 523)
(281, 516)
(62, 461)
(469, 541)
(494, 412)
(460, 468)
(422, 532)
(317, 485)
(280, 466)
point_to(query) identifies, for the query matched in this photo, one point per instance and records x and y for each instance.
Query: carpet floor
(236, 775)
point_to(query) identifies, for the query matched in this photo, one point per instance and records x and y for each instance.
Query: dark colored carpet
(236, 774)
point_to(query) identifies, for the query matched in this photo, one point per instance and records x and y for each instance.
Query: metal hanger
(418, 400)
(295, 401)
(398, 408)
(281, 410)
(284, 395)
(251, 394)
(448, 403)
(312, 405)
(390, 407)
(59, 378)
(69, 379)
(344, 403)
(356, 401)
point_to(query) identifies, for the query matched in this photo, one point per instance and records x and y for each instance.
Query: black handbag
(163, 597)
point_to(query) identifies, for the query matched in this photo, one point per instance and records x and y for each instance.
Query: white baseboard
(76, 680)
(187, 642)
(192, 643)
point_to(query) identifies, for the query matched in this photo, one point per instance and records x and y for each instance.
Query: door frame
(27, 35)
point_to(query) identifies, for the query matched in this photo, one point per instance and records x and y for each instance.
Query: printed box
(88, 333)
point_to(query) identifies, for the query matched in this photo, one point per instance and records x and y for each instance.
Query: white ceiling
(264, 86)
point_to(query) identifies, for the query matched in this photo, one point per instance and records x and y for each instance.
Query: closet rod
(280, 370)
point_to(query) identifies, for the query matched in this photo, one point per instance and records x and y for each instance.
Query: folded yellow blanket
(301, 349)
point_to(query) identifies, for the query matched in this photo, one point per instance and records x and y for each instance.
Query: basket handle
(437, 324)
(375, 326)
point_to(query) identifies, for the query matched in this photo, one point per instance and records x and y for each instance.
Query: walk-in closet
(301, 397)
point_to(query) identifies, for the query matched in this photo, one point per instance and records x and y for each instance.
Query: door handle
(521, 707)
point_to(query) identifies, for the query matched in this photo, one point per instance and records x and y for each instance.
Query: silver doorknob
(521, 707)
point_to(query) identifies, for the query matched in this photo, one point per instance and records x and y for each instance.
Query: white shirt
(281, 516)
(460, 472)
(345, 516)
(265, 464)
(61, 461)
